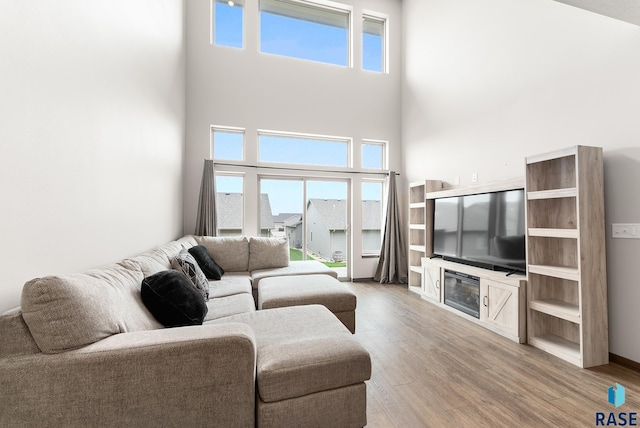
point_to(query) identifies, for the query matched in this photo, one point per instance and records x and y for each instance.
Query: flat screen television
(485, 230)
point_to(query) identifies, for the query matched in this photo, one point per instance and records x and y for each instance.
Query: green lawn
(295, 255)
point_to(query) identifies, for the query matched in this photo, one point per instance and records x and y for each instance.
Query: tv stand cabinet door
(500, 306)
(430, 281)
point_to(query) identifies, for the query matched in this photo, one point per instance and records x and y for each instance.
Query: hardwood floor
(432, 368)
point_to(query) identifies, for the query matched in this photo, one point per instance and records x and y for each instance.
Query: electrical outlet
(474, 177)
(456, 180)
(625, 230)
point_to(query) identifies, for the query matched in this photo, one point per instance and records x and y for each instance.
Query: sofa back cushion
(267, 253)
(72, 311)
(15, 336)
(148, 263)
(231, 253)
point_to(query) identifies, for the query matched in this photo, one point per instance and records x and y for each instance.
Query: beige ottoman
(296, 290)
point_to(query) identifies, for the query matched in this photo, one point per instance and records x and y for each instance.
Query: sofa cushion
(71, 311)
(302, 267)
(173, 300)
(277, 292)
(16, 338)
(171, 249)
(267, 253)
(231, 253)
(187, 241)
(230, 305)
(209, 266)
(230, 284)
(185, 263)
(148, 263)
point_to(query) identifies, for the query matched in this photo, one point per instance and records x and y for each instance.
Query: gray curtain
(206, 221)
(392, 266)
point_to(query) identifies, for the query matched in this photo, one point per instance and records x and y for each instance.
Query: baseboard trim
(361, 279)
(624, 362)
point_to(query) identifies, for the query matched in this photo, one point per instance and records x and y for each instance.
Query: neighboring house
(293, 230)
(326, 227)
(266, 216)
(278, 220)
(229, 214)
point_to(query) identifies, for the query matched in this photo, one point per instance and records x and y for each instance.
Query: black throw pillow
(172, 299)
(208, 265)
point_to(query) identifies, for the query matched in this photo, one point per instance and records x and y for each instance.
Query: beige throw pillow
(266, 253)
(230, 252)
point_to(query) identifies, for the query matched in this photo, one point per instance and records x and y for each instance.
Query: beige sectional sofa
(83, 350)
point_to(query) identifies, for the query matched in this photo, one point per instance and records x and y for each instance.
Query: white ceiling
(624, 10)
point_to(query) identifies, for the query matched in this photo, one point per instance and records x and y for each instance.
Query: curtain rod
(303, 169)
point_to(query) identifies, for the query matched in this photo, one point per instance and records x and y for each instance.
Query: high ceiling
(624, 10)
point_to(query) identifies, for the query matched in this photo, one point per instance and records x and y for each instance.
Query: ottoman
(296, 290)
(310, 371)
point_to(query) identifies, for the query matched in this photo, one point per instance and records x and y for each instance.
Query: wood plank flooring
(432, 368)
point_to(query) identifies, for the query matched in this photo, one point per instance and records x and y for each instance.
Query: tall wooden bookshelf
(420, 237)
(566, 264)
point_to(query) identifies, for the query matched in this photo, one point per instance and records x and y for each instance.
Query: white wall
(247, 89)
(489, 83)
(91, 134)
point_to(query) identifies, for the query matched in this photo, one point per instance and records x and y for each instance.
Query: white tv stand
(502, 297)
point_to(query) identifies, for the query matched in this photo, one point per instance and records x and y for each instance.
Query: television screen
(486, 229)
(445, 226)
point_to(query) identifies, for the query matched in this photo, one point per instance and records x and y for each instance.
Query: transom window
(304, 150)
(227, 143)
(373, 43)
(306, 30)
(373, 154)
(228, 23)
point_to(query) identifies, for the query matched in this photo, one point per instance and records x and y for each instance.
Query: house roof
(229, 210)
(334, 211)
(280, 218)
(293, 221)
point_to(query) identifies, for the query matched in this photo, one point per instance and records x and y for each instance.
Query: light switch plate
(625, 230)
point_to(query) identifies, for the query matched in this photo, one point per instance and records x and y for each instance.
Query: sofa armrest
(187, 376)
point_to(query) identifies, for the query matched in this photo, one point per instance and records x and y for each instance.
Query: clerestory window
(374, 43)
(303, 149)
(228, 23)
(316, 31)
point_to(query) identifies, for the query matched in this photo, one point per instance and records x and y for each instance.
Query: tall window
(304, 150)
(373, 154)
(372, 217)
(227, 143)
(305, 30)
(373, 43)
(228, 23)
(229, 204)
